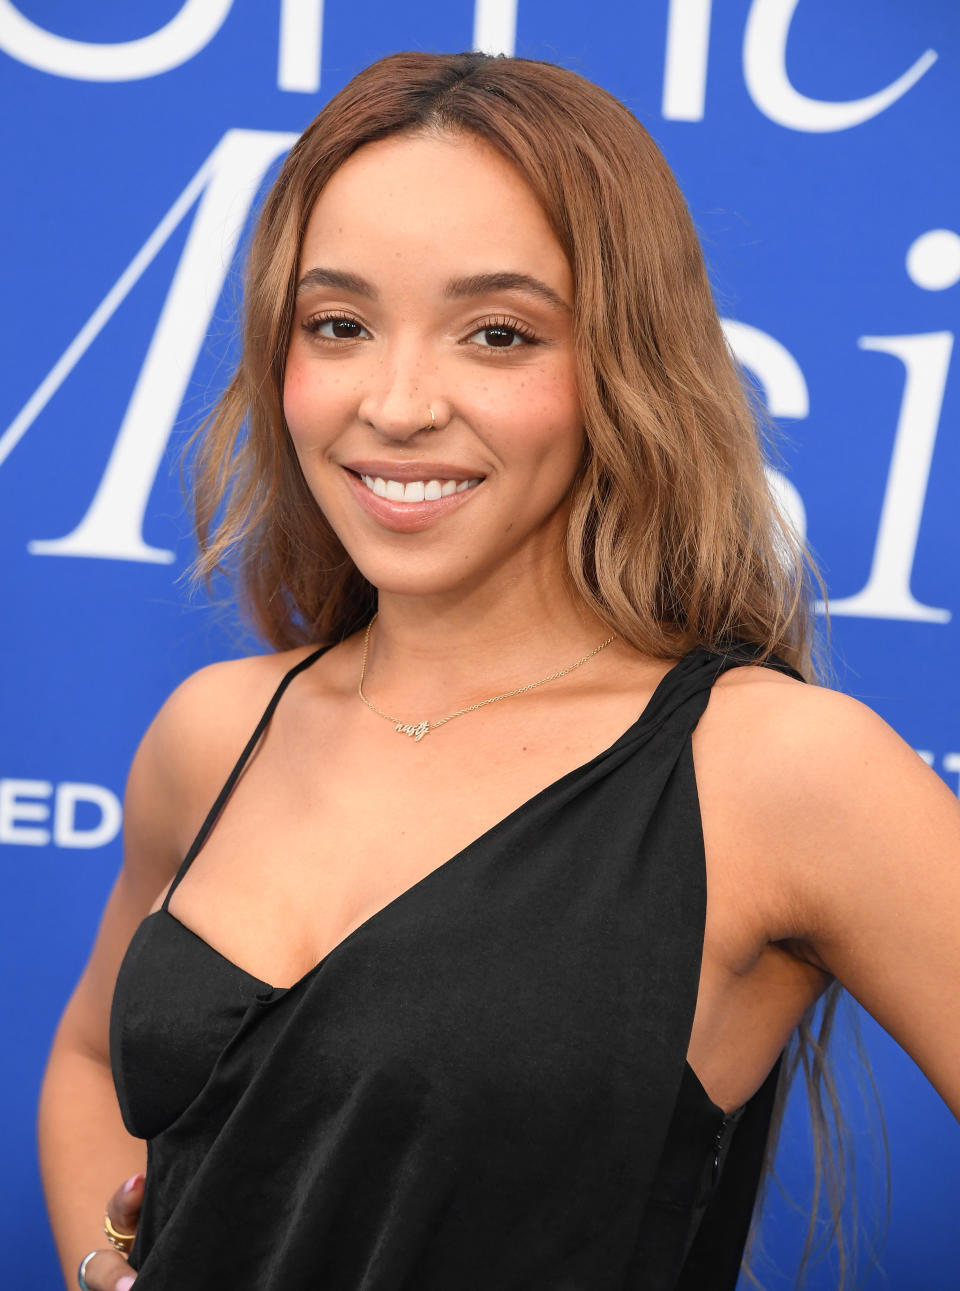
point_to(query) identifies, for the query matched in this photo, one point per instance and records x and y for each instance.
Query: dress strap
(240, 763)
(683, 692)
(738, 651)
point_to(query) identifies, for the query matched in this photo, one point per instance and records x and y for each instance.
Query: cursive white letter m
(225, 185)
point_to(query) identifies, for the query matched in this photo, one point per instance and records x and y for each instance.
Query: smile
(410, 506)
(416, 490)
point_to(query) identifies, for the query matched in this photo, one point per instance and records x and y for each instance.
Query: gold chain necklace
(419, 729)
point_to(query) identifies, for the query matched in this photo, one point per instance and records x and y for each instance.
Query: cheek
(310, 408)
(538, 395)
(549, 414)
(300, 402)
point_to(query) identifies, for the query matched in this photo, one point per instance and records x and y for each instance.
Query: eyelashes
(504, 323)
(313, 324)
(500, 324)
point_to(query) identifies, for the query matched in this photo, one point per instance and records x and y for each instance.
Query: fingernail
(129, 1187)
(126, 1283)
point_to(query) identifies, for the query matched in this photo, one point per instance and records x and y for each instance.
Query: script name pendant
(418, 732)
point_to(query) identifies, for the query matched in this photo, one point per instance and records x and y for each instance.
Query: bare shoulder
(803, 734)
(831, 809)
(216, 702)
(188, 751)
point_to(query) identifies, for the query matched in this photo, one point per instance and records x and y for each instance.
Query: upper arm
(864, 839)
(180, 763)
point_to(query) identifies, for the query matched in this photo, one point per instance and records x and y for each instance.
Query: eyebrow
(478, 284)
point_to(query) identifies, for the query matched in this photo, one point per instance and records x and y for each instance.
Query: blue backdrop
(816, 141)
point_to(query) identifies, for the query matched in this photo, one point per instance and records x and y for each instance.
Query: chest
(564, 932)
(330, 823)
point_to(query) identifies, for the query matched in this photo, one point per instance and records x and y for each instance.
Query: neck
(425, 655)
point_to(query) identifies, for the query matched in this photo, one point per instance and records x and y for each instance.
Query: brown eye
(342, 328)
(503, 334)
(500, 337)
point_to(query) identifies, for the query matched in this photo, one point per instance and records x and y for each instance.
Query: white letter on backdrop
(65, 832)
(765, 72)
(176, 42)
(785, 395)
(951, 764)
(226, 184)
(495, 26)
(14, 810)
(887, 594)
(685, 67)
(301, 45)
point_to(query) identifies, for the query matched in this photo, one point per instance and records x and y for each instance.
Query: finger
(108, 1271)
(123, 1208)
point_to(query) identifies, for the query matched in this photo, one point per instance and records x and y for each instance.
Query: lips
(408, 517)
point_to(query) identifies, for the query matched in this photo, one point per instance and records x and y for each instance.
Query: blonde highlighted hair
(675, 537)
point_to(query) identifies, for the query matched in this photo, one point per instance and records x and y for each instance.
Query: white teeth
(416, 490)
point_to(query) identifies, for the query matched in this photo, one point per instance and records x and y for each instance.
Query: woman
(442, 1002)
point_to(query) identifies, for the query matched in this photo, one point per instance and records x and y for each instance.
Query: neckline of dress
(647, 718)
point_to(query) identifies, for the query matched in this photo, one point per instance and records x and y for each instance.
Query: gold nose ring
(433, 420)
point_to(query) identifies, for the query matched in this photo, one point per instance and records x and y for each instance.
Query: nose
(401, 398)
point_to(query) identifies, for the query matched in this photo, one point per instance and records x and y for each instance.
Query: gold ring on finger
(119, 1241)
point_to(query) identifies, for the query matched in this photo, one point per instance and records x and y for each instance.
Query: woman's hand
(108, 1270)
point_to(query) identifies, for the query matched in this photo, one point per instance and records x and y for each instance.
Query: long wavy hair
(675, 537)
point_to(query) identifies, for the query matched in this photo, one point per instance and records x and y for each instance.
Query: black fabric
(482, 1087)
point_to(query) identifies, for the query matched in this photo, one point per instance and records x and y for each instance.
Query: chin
(420, 583)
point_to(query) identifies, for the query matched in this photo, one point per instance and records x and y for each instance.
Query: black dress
(483, 1087)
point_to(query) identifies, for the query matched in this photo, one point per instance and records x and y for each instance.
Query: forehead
(443, 204)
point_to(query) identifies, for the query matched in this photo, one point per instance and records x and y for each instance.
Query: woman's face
(431, 279)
